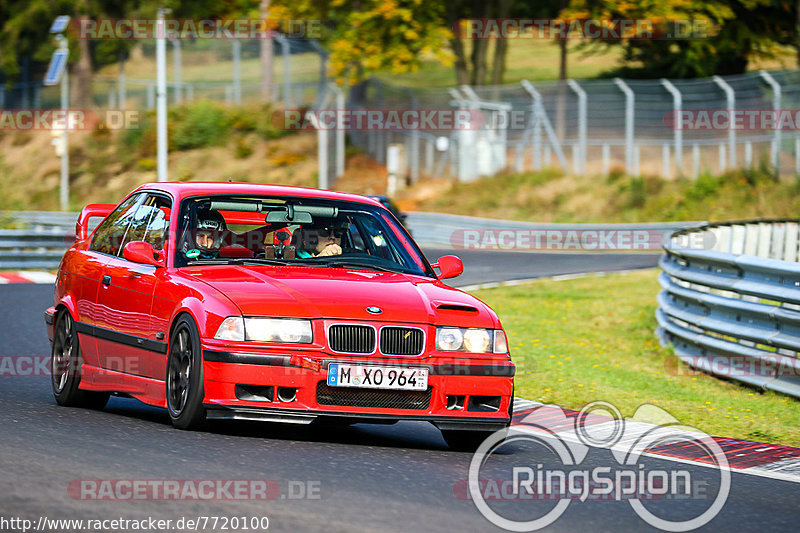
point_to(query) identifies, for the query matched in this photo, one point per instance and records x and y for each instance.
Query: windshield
(289, 230)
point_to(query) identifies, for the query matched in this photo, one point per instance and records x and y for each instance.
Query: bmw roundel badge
(374, 310)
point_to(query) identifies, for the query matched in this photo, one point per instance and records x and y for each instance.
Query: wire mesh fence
(222, 70)
(663, 127)
(596, 127)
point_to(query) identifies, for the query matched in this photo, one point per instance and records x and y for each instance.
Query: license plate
(377, 377)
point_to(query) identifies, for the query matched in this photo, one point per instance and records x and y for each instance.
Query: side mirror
(449, 266)
(90, 211)
(141, 252)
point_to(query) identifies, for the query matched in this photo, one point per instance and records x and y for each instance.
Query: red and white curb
(747, 457)
(27, 276)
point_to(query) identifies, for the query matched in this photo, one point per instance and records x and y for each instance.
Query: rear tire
(66, 365)
(184, 380)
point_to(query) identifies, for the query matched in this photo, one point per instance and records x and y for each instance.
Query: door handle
(106, 280)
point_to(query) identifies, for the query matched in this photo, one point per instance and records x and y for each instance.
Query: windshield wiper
(259, 261)
(280, 262)
(357, 264)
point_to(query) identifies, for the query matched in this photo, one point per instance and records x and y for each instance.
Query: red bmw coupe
(252, 302)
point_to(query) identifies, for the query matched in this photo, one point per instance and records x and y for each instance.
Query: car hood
(339, 293)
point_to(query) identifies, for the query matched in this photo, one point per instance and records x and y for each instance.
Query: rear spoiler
(91, 211)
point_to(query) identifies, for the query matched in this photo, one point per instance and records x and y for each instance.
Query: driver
(320, 241)
(208, 235)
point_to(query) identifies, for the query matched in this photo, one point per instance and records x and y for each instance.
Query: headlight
(231, 329)
(449, 339)
(477, 340)
(278, 330)
(473, 340)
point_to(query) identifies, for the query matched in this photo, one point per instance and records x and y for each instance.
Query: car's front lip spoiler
(217, 412)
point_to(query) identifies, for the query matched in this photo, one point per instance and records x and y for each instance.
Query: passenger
(320, 241)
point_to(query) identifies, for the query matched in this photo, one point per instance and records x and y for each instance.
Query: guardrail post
(467, 158)
(606, 159)
(429, 146)
(580, 168)
(677, 108)
(629, 110)
(665, 159)
(731, 98)
(287, 82)
(721, 158)
(541, 117)
(176, 57)
(695, 160)
(237, 72)
(748, 154)
(776, 105)
(121, 92)
(797, 155)
(340, 133)
(151, 95)
(536, 145)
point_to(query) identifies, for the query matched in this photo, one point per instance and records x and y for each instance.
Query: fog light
(287, 394)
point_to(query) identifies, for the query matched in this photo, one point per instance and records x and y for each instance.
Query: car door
(126, 342)
(88, 271)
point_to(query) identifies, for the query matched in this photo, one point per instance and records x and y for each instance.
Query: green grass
(204, 65)
(550, 196)
(578, 341)
(528, 59)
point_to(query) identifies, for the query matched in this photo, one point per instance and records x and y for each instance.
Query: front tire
(185, 377)
(66, 365)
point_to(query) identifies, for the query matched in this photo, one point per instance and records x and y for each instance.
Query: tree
(724, 36)
(368, 36)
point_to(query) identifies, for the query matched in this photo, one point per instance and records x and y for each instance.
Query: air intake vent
(454, 306)
(401, 341)
(385, 399)
(351, 339)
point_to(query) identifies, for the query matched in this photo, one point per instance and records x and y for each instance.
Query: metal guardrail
(42, 242)
(48, 234)
(730, 303)
(44, 219)
(444, 231)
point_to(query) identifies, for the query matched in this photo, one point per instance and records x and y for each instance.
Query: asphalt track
(362, 478)
(483, 267)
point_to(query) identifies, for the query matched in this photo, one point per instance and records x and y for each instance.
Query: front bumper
(227, 374)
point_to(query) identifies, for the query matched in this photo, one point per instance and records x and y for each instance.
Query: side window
(149, 223)
(158, 228)
(355, 238)
(109, 236)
